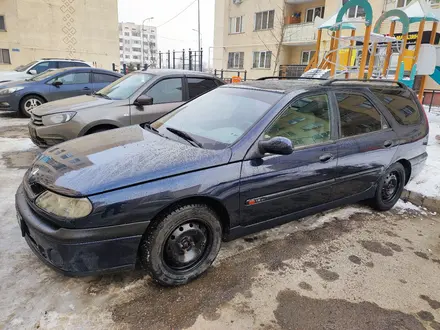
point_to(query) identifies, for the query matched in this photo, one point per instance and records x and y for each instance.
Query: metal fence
(185, 60)
(227, 75)
(292, 70)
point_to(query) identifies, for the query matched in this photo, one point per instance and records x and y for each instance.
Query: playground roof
(330, 24)
(419, 10)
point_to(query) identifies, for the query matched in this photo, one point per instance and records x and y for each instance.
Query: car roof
(165, 72)
(286, 86)
(75, 68)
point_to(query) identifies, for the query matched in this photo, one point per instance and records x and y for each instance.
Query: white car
(26, 71)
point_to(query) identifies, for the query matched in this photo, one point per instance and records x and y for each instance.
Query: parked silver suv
(140, 97)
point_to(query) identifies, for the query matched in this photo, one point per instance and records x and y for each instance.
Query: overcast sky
(178, 33)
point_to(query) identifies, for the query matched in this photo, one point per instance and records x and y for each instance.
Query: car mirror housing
(33, 71)
(277, 145)
(143, 100)
(57, 83)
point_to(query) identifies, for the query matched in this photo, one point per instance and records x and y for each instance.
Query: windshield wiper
(102, 95)
(185, 136)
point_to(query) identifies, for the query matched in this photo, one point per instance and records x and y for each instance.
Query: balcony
(299, 34)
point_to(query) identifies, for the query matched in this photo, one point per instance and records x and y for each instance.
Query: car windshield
(22, 68)
(219, 118)
(124, 87)
(44, 75)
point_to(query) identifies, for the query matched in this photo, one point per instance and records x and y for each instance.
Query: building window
(127, 42)
(262, 60)
(402, 3)
(135, 57)
(121, 40)
(235, 60)
(236, 24)
(2, 23)
(137, 42)
(127, 49)
(127, 34)
(264, 20)
(121, 48)
(135, 34)
(136, 49)
(4, 56)
(152, 37)
(312, 13)
(127, 56)
(307, 56)
(354, 12)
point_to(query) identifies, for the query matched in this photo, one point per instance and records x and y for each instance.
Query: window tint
(166, 91)
(401, 105)
(74, 78)
(358, 115)
(199, 86)
(63, 64)
(103, 78)
(305, 122)
(43, 66)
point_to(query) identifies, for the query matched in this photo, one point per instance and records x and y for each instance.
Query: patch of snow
(341, 214)
(10, 144)
(405, 206)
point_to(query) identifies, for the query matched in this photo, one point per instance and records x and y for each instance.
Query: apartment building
(35, 29)
(262, 36)
(133, 42)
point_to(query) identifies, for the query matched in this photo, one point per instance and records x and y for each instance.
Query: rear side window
(103, 78)
(401, 105)
(197, 86)
(63, 64)
(358, 115)
(80, 64)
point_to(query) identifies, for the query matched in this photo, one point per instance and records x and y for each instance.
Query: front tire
(390, 188)
(28, 103)
(181, 245)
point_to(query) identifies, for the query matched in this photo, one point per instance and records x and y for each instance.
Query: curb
(431, 203)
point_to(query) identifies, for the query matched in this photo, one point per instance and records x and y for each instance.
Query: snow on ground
(427, 182)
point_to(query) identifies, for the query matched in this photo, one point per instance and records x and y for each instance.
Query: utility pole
(198, 27)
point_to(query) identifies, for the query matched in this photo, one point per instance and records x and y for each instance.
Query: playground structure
(370, 55)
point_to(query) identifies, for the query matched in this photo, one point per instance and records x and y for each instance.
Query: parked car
(136, 98)
(229, 163)
(25, 95)
(27, 71)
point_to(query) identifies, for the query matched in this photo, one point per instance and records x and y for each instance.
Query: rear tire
(181, 245)
(390, 188)
(28, 103)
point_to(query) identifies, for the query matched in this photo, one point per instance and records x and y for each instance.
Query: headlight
(58, 118)
(66, 207)
(10, 90)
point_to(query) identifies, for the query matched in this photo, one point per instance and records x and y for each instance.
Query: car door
(279, 185)
(198, 86)
(366, 146)
(100, 80)
(70, 84)
(167, 94)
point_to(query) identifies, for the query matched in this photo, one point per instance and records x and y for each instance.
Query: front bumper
(9, 102)
(79, 252)
(46, 136)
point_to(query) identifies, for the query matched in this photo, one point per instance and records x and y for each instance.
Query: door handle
(326, 157)
(388, 144)
(86, 88)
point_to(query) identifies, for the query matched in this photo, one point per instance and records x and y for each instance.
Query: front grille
(37, 120)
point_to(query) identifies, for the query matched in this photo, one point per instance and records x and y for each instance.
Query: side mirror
(57, 83)
(277, 145)
(33, 71)
(143, 100)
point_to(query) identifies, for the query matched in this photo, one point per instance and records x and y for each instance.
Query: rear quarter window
(401, 105)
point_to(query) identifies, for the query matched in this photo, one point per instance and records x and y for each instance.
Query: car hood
(18, 83)
(72, 104)
(117, 158)
(13, 75)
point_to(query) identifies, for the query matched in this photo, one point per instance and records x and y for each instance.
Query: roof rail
(374, 81)
(60, 58)
(290, 78)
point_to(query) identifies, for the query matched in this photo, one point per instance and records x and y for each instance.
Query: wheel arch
(407, 166)
(216, 205)
(95, 125)
(32, 94)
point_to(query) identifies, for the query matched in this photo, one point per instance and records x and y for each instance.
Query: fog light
(4, 105)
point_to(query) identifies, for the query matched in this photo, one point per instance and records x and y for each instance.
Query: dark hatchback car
(233, 161)
(51, 85)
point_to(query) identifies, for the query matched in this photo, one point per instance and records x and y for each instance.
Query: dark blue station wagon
(233, 161)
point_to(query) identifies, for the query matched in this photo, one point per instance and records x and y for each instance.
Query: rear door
(198, 86)
(73, 84)
(366, 146)
(100, 80)
(279, 185)
(167, 94)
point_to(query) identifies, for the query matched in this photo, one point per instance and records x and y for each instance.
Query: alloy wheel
(30, 104)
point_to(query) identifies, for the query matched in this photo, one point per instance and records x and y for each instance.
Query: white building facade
(137, 46)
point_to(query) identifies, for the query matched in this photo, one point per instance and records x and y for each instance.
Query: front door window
(166, 91)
